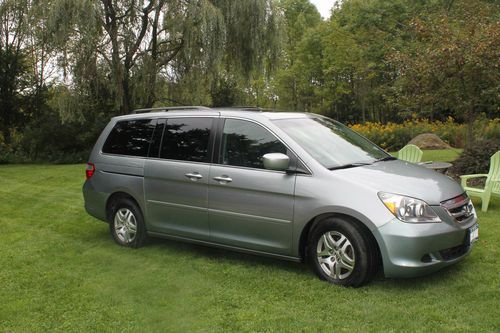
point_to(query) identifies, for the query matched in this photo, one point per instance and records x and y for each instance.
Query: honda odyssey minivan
(296, 186)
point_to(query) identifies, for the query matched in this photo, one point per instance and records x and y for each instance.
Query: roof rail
(249, 108)
(170, 108)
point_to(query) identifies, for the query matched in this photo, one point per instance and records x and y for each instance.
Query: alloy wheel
(125, 225)
(335, 255)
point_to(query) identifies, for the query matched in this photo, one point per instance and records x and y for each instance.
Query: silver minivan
(296, 186)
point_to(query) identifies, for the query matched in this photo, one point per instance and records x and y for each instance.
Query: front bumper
(413, 249)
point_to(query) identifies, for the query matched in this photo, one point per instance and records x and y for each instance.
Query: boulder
(429, 141)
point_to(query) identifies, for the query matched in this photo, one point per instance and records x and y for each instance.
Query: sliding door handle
(223, 179)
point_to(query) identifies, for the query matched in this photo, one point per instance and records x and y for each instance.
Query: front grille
(460, 208)
(453, 252)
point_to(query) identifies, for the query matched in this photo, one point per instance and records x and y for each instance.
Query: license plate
(473, 233)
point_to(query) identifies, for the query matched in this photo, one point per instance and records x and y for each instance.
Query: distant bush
(12, 152)
(392, 136)
(49, 140)
(54, 141)
(477, 158)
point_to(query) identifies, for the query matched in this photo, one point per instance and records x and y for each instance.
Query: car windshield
(332, 144)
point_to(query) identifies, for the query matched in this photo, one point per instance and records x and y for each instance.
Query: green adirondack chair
(410, 153)
(492, 186)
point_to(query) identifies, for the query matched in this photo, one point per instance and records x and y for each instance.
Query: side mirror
(276, 161)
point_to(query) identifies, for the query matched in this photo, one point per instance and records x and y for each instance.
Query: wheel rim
(125, 225)
(336, 255)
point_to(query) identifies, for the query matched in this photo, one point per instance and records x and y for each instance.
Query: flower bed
(392, 136)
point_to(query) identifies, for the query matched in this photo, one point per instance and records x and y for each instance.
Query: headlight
(408, 209)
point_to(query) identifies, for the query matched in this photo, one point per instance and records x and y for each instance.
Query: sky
(324, 7)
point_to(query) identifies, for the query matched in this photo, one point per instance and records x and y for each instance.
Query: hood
(404, 178)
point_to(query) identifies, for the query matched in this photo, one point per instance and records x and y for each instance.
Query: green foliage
(12, 70)
(385, 60)
(376, 61)
(476, 159)
(14, 78)
(10, 151)
(293, 78)
(225, 92)
(452, 61)
(141, 44)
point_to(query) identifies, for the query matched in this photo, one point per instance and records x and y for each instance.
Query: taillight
(89, 171)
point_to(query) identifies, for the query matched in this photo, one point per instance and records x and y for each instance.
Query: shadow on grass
(443, 276)
(226, 256)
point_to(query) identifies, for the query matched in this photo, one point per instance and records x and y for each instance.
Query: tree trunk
(154, 60)
(363, 111)
(125, 107)
(294, 95)
(470, 127)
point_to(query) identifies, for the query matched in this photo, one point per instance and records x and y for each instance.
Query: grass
(60, 271)
(438, 155)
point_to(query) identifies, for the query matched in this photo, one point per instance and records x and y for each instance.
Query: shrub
(11, 152)
(47, 139)
(477, 158)
(55, 142)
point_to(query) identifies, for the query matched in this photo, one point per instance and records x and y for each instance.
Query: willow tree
(138, 41)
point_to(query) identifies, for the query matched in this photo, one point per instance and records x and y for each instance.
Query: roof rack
(170, 108)
(249, 108)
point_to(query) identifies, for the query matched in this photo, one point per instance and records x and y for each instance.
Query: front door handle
(223, 179)
(194, 176)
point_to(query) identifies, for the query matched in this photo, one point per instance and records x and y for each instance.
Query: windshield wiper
(387, 158)
(350, 165)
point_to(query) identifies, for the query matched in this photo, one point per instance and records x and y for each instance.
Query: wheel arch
(310, 225)
(114, 198)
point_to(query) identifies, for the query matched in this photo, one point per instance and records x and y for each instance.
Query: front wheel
(342, 253)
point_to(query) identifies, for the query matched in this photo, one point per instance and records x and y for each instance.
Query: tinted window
(244, 143)
(130, 137)
(186, 139)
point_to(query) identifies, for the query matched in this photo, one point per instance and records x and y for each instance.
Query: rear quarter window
(130, 137)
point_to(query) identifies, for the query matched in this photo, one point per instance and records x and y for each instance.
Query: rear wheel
(127, 224)
(341, 252)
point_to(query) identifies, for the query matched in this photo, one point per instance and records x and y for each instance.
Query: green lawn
(60, 271)
(439, 155)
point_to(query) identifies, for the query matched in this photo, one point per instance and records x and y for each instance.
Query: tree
(12, 66)
(454, 62)
(301, 17)
(140, 41)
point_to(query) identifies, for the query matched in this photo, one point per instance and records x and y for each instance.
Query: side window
(130, 137)
(186, 139)
(244, 143)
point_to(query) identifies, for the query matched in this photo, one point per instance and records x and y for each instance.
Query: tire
(127, 224)
(341, 252)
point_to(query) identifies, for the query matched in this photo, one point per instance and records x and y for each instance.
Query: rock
(429, 141)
